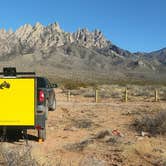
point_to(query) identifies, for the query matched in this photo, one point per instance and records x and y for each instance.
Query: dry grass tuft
(102, 134)
(92, 161)
(79, 146)
(105, 136)
(82, 123)
(154, 124)
(16, 157)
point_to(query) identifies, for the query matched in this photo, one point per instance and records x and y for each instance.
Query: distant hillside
(81, 55)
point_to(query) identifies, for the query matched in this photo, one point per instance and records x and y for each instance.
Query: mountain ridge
(49, 49)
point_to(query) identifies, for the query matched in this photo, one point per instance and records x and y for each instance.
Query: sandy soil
(97, 134)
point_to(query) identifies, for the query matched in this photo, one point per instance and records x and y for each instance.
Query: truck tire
(46, 111)
(42, 134)
(53, 107)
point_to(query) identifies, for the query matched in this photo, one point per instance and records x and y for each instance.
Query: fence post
(156, 95)
(126, 95)
(96, 96)
(68, 95)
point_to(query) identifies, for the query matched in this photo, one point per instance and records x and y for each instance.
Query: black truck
(46, 102)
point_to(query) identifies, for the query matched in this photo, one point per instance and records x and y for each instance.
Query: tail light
(38, 127)
(41, 96)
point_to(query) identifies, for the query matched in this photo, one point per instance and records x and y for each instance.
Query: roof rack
(11, 71)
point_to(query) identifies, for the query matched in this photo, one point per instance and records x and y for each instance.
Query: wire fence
(111, 94)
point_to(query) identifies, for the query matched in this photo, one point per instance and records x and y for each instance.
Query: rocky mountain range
(81, 55)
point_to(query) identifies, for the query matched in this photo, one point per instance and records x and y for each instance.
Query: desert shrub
(68, 84)
(116, 95)
(90, 93)
(104, 94)
(101, 134)
(79, 146)
(162, 94)
(14, 157)
(142, 92)
(92, 161)
(154, 124)
(82, 123)
(76, 92)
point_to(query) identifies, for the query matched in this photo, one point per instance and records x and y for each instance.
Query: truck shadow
(15, 136)
(32, 137)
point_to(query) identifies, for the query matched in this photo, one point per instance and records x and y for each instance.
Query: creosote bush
(154, 124)
(73, 84)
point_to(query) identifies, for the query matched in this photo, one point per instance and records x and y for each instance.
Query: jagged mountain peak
(82, 50)
(38, 26)
(90, 39)
(28, 38)
(55, 27)
(40, 36)
(4, 32)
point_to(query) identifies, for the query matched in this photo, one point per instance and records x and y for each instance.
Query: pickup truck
(25, 100)
(46, 102)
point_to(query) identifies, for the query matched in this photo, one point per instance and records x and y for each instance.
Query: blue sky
(136, 25)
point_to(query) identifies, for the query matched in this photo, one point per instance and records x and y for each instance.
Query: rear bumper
(41, 109)
(40, 117)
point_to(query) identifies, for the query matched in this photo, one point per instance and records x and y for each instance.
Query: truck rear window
(41, 83)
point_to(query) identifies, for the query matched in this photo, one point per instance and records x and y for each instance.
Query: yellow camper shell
(17, 101)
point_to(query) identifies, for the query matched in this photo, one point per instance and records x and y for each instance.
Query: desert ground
(84, 133)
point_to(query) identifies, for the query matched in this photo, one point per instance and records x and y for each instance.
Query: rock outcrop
(50, 49)
(28, 39)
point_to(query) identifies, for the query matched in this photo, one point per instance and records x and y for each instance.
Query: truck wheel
(46, 113)
(42, 134)
(53, 107)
